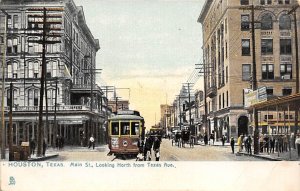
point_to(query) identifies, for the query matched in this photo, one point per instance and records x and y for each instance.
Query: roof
(126, 117)
(204, 11)
(292, 100)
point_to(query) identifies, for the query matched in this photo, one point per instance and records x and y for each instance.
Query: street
(167, 152)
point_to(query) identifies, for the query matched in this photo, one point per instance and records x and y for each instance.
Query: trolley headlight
(125, 143)
(114, 142)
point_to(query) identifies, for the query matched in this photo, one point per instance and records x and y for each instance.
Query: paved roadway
(168, 153)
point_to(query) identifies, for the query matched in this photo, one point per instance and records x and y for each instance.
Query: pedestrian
(156, 148)
(242, 140)
(239, 142)
(212, 139)
(285, 143)
(148, 146)
(249, 143)
(62, 141)
(266, 144)
(272, 144)
(44, 147)
(223, 140)
(32, 146)
(205, 139)
(297, 143)
(261, 144)
(57, 141)
(246, 143)
(92, 142)
(232, 144)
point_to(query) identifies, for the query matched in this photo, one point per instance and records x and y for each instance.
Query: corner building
(70, 75)
(227, 49)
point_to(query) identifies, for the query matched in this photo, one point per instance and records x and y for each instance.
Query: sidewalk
(285, 156)
(53, 152)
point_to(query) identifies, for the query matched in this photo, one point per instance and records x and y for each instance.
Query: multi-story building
(228, 57)
(73, 104)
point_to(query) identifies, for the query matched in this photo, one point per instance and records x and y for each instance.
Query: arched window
(284, 22)
(266, 22)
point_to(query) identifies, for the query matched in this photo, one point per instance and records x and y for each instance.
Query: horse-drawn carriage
(182, 137)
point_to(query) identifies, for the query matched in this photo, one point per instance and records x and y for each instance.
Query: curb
(262, 157)
(43, 158)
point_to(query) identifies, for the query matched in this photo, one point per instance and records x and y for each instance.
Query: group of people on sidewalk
(268, 144)
(242, 142)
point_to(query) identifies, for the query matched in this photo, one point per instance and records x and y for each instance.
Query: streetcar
(125, 133)
(156, 132)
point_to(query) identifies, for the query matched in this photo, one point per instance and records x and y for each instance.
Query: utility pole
(254, 82)
(294, 11)
(252, 8)
(46, 29)
(10, 128)
(3, 86)
(190, 105)
(55, 110)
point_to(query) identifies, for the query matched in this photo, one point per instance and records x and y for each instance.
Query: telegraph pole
(10, 128)
(46, 29)
(3, 87)
(294, 11)
(254, 83)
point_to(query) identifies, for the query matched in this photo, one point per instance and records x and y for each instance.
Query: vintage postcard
(149, 95)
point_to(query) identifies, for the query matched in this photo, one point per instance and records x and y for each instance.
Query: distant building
(227, 51)
(119, 104)
(70, 75)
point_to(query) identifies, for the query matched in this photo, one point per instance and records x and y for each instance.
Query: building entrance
(243, 125)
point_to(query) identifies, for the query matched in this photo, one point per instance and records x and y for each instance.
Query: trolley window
(125, 128)
(135, 127)
(114, 128)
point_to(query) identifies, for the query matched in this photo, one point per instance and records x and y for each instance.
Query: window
(287, 1)
(268, 117)
(227, 99)
(115, 128)
(286, 91)
(266, 22)
(269, 2)
(262, 2)
(220, 105)
(266, 46)
(246, 74)
(12, 46)
(284, 22)
(16, 21)
(135, 127)
(245, 22)
(125, 128)
(267, 71)
(30, 97)
(245, 47)
(36, 97)
(269, 91)
(286, 71)
(244, 2)
(285, 46)
(280, 1)
(9, 21)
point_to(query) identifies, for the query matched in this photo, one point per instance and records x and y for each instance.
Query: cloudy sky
(149, 46)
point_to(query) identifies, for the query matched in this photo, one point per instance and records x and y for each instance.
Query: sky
(148, 46)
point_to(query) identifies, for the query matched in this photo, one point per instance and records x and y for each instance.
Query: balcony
(212, 91)
(85, 89)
